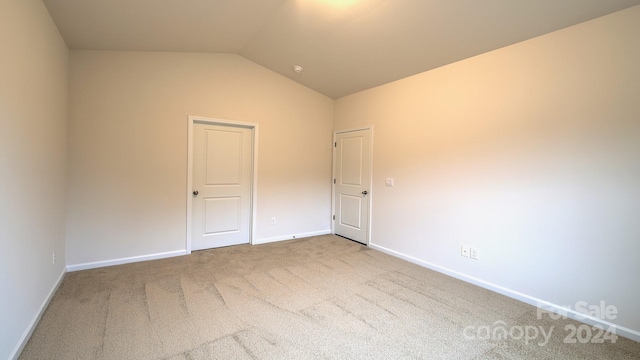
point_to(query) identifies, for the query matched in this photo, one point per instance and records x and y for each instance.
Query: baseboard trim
(36, 319)
(291, 237)
(105, 263)
(531, 300)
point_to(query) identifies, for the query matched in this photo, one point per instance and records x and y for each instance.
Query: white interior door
(352, 184)
(221, 204)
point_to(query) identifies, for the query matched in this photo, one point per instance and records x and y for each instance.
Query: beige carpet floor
(316, 298)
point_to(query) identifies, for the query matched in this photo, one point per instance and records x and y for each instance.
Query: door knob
(195, 193)
(365, 193)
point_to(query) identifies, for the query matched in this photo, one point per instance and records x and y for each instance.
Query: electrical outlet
(473, 253)
(53, 261)
(273, 221)
(464, 251)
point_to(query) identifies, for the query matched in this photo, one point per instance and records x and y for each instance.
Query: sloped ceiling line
(345, 46)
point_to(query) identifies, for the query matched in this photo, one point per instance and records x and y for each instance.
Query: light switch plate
(388, 182)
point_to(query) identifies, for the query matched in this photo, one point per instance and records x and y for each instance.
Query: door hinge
(334, 181)
(335, 144)
(334, 217)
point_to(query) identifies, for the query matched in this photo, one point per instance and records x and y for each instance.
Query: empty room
(320, 179)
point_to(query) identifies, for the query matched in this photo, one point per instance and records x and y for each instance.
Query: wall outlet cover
(464, 251)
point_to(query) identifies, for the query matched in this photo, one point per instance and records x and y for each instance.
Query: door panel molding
(254, 169)
(368, 184)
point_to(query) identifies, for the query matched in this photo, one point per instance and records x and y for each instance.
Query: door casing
(254, 170)
(333, 185)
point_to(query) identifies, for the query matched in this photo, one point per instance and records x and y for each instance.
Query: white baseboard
(34, 322)
(105, 263)
(291, 237)
(531, 300)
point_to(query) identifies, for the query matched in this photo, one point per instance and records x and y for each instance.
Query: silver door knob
(365, 193)
(195, 193)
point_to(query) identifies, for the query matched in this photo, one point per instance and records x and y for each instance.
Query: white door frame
(333, 177)
(254, 170)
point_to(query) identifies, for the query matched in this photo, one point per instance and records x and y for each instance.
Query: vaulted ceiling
(344, 46)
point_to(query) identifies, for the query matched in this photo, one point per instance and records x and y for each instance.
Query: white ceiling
(344, 46)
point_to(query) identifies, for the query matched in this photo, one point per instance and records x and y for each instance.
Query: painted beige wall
(33, 146)
(128, 148)
(530, 153)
